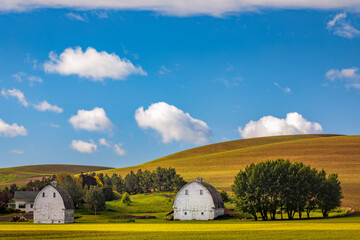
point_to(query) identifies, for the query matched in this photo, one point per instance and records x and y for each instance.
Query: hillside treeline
(272, 187)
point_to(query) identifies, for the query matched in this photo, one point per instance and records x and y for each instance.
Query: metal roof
(27, 196)
(68, 202)
(218, 202)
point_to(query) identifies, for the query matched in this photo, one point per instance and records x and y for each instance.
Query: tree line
(93, 190)
(280, 186)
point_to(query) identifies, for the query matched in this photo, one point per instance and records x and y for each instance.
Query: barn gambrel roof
(218, 202)
(217, 199)
(68, 202)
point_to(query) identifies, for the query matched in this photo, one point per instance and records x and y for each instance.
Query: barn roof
(68, 202)
(27, 196)
(218, 202)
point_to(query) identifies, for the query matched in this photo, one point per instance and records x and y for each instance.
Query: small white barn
(198, 200)
(53, 204)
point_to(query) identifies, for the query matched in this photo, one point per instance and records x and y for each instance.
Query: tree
(108, 193)
(61, 176)
(73, 188)
(94, 199)
(117, 183)
(126, 199)
(13, 188)
(330, 194)
(270, 186)
(225, 196)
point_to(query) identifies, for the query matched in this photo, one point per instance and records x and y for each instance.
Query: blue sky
(129, 78)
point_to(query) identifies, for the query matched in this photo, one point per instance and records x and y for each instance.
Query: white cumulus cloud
(351, 76)
(340, 26)
(84, 147)
(294, 123)
(45, 106)
(91, 64)
(119, 150)
(181, 8)
(93, 120)
(16, 93)
(173, 124)
(13, 130)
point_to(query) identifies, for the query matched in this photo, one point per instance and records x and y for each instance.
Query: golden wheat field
(219, 163)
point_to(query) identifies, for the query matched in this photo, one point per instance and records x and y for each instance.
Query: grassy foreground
(336, 228)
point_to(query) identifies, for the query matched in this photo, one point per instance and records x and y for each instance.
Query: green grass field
(219, 163)
(23, 174)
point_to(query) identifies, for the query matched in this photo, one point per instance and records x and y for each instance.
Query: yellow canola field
(187, 227)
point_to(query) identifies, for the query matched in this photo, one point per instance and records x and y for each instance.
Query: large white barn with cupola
(198, 200)
(53, 204)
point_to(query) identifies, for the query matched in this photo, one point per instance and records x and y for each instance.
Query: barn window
(54, 194)
(201, 192)
(43, 194)
(186, 192)
(202, 213)
(185, 213)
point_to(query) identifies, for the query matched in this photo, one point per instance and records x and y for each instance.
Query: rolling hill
(219, 163)
(26, 173)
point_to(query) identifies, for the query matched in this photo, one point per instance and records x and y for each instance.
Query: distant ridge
(219, 163)
(24, 174)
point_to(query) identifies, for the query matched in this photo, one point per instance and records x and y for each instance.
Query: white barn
(198, 201)
(53, 204)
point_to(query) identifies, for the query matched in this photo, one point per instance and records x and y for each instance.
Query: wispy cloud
(45, 106)
(16, 93)
(22, 76)
(284, 89)
(164, 70)
(350, 76)
(78, 17)
(16, 151)
(340, 26)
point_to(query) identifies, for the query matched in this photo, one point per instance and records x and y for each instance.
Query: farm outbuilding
(24, 200)
(53, 204)
(198, 200)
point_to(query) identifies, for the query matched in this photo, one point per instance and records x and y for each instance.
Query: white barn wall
(50, 209)
(195, 206)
